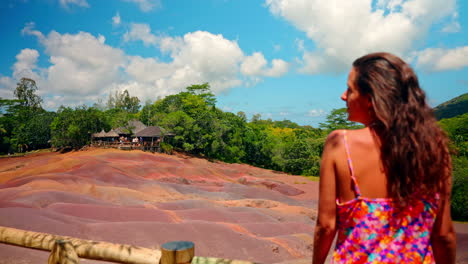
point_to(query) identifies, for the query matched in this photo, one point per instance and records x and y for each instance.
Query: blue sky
(283, 59)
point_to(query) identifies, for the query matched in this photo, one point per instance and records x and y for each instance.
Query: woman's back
(376, 229)
(368, 170)
(386, 188)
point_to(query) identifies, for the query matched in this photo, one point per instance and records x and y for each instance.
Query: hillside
(453, 107)
(231, 211)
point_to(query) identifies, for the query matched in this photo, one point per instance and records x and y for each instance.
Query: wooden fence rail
(172, 252)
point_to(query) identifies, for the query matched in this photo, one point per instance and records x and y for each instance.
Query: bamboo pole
(63, 253)
(84, 248)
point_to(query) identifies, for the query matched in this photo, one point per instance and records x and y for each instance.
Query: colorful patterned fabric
(376, 230)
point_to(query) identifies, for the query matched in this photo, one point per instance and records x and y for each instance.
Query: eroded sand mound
(132, 197)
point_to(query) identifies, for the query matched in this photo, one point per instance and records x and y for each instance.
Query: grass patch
(312, 178)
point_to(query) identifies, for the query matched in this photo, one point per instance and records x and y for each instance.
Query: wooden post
(63, 252)
(177, 252)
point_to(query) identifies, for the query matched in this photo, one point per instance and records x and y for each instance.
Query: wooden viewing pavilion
(135, 135)
(151, 137)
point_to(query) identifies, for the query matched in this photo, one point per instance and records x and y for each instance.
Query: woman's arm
(443, 235)
(325, 227)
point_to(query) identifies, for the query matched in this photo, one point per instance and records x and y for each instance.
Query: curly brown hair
(414, 148)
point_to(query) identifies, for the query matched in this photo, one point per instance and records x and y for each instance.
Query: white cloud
(146, 5)
(300, 44)
(81, 62)
(66, 3)
(453, 27)
(7, 86)
(84, 68)
(343, 30)
(116, 19)
(197, 57)
(29, 30)
(316, 113)
(437, 59)
(278, 68)
(256, 65)
(141, 32)
(26, 64)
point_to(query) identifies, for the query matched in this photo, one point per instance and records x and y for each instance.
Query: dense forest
(201, 129)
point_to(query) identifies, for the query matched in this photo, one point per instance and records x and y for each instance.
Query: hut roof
(151, 131)
(132, 126)
(99, 135)
(103, 134)
(111, 133)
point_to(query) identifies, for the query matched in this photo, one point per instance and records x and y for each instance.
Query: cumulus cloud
(453, 27)
(116, 19)
(67, 3)
(7, 86)
(437, 59)
(146, 5)
(197, 57)
(24, 67)
(141, 32)
(83, 68)
(343, 30)
(256, 65)
(26, 64)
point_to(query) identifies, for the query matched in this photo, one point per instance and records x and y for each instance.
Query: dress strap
(350, 165)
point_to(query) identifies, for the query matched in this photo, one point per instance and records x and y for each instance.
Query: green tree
(146, 113)
(457, 130)
(123, 100)
(203, 91)
(73, 127)
(338, 119)
(26, 93)
(117, 117)
(35, 133)
(181, 125)
(8, 121)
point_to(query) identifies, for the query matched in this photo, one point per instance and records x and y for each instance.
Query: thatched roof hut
(111, 133)
(99, 134)
(150, 132)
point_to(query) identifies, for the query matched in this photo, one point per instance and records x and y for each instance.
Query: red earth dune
(230, 211)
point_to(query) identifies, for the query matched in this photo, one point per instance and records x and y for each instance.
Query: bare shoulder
(335, 139)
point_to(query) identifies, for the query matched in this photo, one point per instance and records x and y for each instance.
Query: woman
(385, 189)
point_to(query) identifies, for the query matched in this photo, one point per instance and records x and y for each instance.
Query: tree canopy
(26, 93)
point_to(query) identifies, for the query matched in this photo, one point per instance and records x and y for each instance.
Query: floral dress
(376, 230)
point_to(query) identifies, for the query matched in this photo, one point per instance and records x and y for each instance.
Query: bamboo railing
(68, 250)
